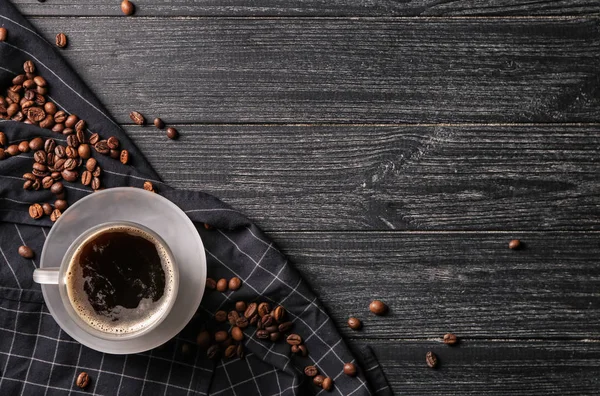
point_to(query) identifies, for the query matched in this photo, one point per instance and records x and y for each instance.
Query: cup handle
(46, 276)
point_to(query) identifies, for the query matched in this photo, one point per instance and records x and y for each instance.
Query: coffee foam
(120, 320)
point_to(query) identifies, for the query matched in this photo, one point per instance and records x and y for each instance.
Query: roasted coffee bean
(237, 334)
(55, 215)
(266, 320)
(378, 308)
(36, 211)
(71, 121)
(124, 157)
(294, 339)
(242, 322)
(221, 316)
(42, 90)
(47, 182)
(84, 151)
(56, 176)
(327, 384)
(311, 371)
(19, 117)
(230, 351)
(274, 336)
(47, 209)
(259, 324)
(240, 306)
(3, 139)
(272, 329)
(39, 167)
(49, 145)
(221, 336)
(211, 284)
(263, 309)
(58, 128)
(19, 80)
(318, 380)
(47, 122)
(207, 226)
(354, 323)
(431, 359)
(39, 81)
(29, 84)
(13, 150)
(278, 313)
(80, 127)
(186, 349)
(36, 185)
(514, 244)
(68, 131)
(227, 342)
(49, 159)
(102, 147)
(70, 165)
(286, 326)
(50, 108)
(26, 104)
(450, 339)
(61, 40)
(59, 151)
(159, 123)
(127, 7)
(26, 252)
(83, 380)
(36, 144)
(61, 204)
(172, 133)
(253, 320)
(71, 152)
(96, 183)
(69, 175)
(232, 317)
(29, 176)
(40, 100)
(137, 118)
(80, 134)
(59, 164)
(86, 178)
(203, 339)
(3, 34)
(251, 310)
(148, 186)
(40, 157)
(240, 351)
(72, 141)
(29, 67)
(27, 185)
(212, 352)
(222, 283)
(235, 283)
(12, 109)
(23, 146)
(350, 369)
(94, 138)
(60, 117)
(35, 114)
(263, 334)
(97, 172)
(39, 173)
(112, 142)
(28, 96)
(91, 164)
(3, 154)
(115, 154)
(303, 350)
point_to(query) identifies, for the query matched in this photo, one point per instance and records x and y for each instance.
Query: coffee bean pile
(26, 101)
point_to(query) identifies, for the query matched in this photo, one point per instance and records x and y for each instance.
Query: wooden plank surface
(500, 368)
(381, 178)
(313, 7)
(339, 70)
(470, 284)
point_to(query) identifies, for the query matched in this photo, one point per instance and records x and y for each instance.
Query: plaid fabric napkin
(38, 358)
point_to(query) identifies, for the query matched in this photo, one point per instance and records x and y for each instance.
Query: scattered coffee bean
(70, 165)
(159, 123)
(95, 138)
(40, 157)
(221, 336)
(86, 178)
(12, 150)
(97, 172)
(26, 252)
(3, 34)
(514, 244)
(203, 339)
(124, 157)
(294, 339)
(27, 185)
(240, 351)
(127, 7)
(72, 141)
(302, 350)
(208, 226)
(96, 183)
(172, 133)
(71, 152)
(221, 316)
(3, 154)
(242, 322)
(71, 121)
(378, 308)
(56, 175)
(450, 339)
(213, 352)
(84, 151)
(211, 284)
(233, 317)
(36, 211)
(55, 215)
(285, 327)
(23, 147)
(29, 67)
(354, 323)
(57, 188)
(61, 204)
(230, 351)
(262, 334)
(137, 118)
(91, 164)
(251, 310)
(318, 380)
(47, 209)
(235, 283)
(83, 380)
(36, 144)
(279, 313)
(80, 128)
(294, 349)
(237, 334)
(112, 142)
(350, 369)
(240, 306)
(47, 182)
(263, 309)
(148, 186)
(266, 321)
(3, 139)
(431, 359)
(102, 147)
(274, 336)
(61, 40)
(327, 384)
(222, 285)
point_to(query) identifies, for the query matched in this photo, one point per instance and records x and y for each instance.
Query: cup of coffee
(117, 280)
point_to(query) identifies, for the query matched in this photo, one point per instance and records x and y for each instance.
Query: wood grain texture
(470, 284)
(339, 70)
(381, 178)
(491, 368)
(312, 7)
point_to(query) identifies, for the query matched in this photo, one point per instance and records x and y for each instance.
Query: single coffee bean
(61, 204)
(29, 67)
(450, 339)
(102, 147)
(230, 351)
(26, 252)
(222, 283)
(294, 349)
(59, 164)
(3, 34)
(36, 144)
(60, 117)
(96, 183)
(278, 313)
(274, 336)
(49, 145)
(80, 127)
(148, 186)
(36, 211)
(40, 100)
(285, 327)
(84, 151)
(47, 209)
(311, 371)
(251, 310)
(172, 133)
(72, 141)
(350, 369)
(59, 151)
(97, 172)
(263, 309)
(3, 154)
(86, 178)
(95, 138)
(55, 215)
(29, 84)
(47, 182)
(211, 284)
(303, 350)
(39, 81)
(40, 157)
(259, 324)
(253, 320)
(221, 316)
(127, 7)
(115, 154)
(71, 152)
(213, 352)
(240, 351)
(378, 308)
(327, 384)
(35, 114)
(26, 104)
(235, 283)
(70, 165)
(207, 226)
(514, 244)
(13, 109)
(137, 118)
(69, 175)
(242, 322)
(83, 380)
(240, 306)
(42, 90)
(13, 150)
(112, 142)
(29, 176)
(20, 117)
(56, 176)
(262, 334)
(49, 159)
(237, 334)
(36, 185)
(23, 147)
(431, 359)
(203, 339)
(221, 336)
(318, 380)
(232, 317)
(266, 320)
(41, 168)
(47, 122)
(124, 157)
(3, 139)
(80, 134)
(61, 40)
(354, 323)
(159, 123)
(18, 80)
(91, 164)
(294, 339)
(50, 108)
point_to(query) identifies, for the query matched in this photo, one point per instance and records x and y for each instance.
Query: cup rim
(66, 301)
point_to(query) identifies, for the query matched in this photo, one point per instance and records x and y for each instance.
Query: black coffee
(120, 280)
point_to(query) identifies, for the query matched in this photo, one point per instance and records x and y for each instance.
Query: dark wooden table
(392, 149)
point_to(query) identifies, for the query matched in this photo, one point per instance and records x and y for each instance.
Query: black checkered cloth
(38, 358)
